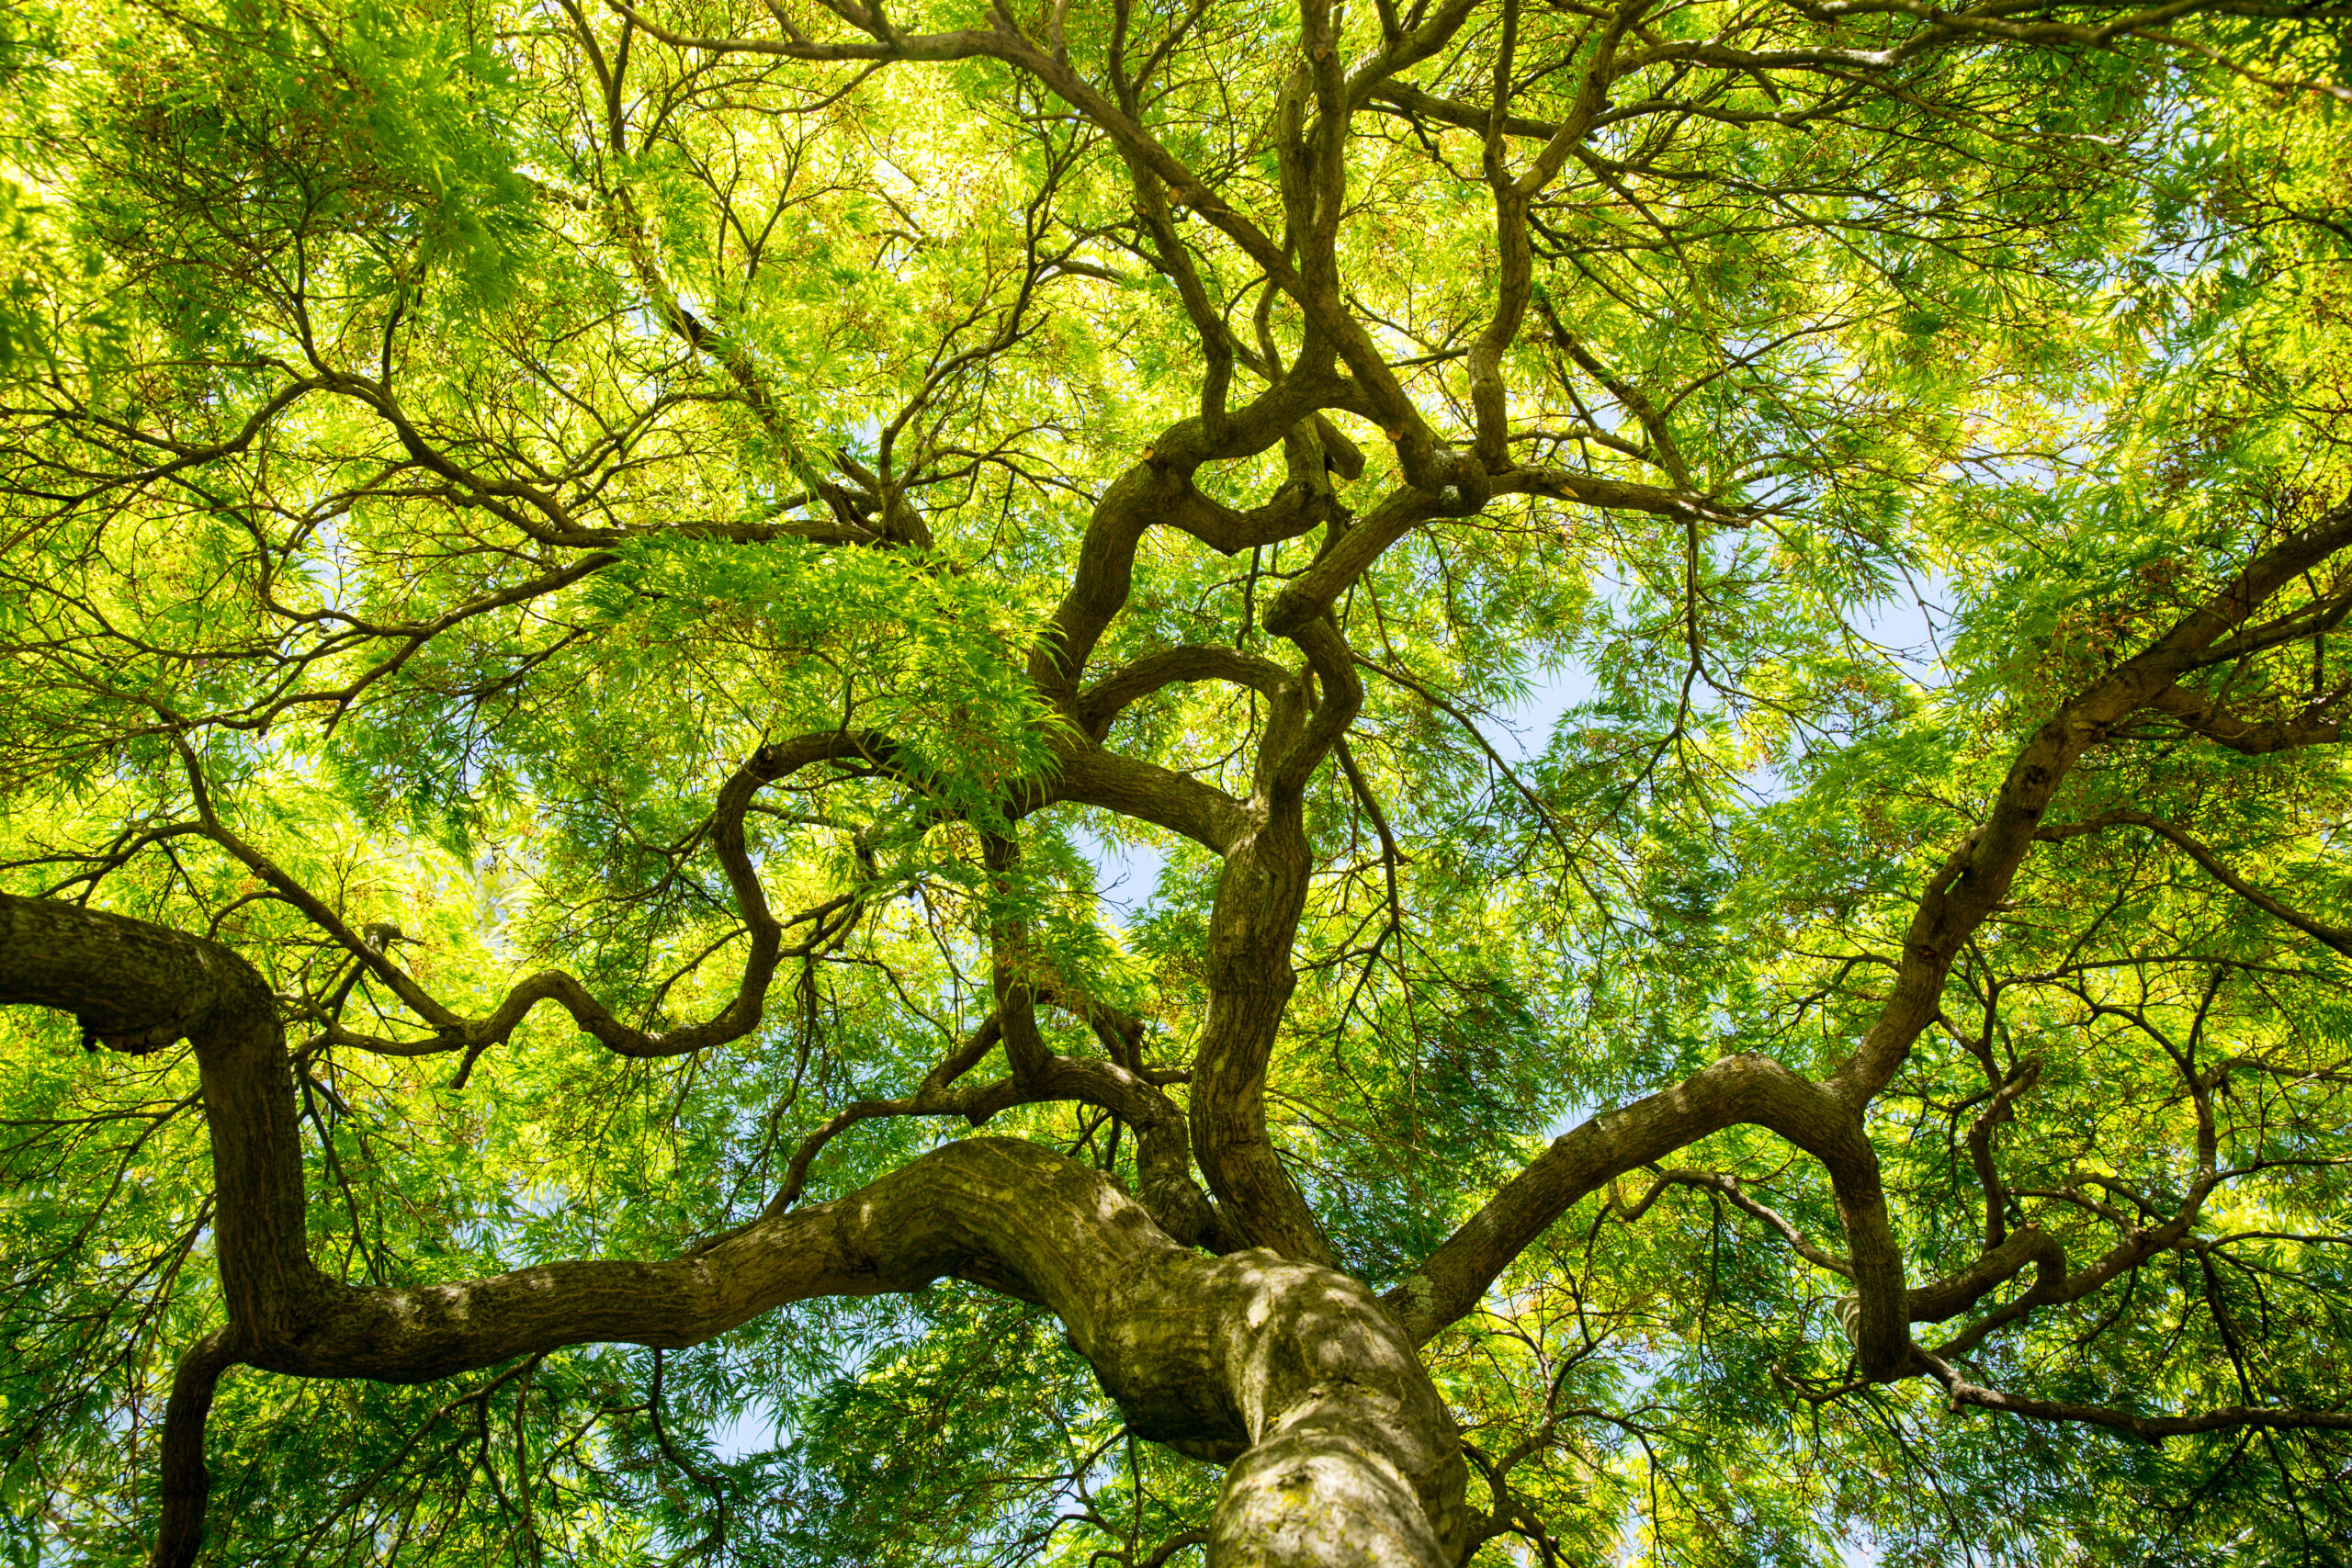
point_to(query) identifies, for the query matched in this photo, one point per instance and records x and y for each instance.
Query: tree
(590, 593)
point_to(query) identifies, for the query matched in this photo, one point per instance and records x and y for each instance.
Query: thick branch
(1107, 698)
(1202, 812)
(1159, 491)
(1964, 892)
(2216, 722)
(2150, 1428)
(1288, 1368)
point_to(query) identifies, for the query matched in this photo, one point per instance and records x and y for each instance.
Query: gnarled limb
(1260, 895)
(1343, 1449)
(739, 1015)
(1092, 776)
(1101, 703)
(187, 1482)
(1824, 1120)
(1964, 891)
(1159, 491)
(2150, 1428)
(2215, 722)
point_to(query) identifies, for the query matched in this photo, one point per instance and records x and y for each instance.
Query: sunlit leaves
(458, 437)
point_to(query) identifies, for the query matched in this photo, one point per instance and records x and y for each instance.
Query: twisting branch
(2214, 721)
(737, 1018)
(1825, 1119)
(1966, 1394)
(1378, 1452)
(1975, 877)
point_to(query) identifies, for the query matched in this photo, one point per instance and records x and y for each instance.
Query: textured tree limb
(738, 1016)
(1159, 491)
(1825, 1119)
(1287, 1368)
(1738, 1089)
(1975, 877)
(1948, 1298)
(1146, 792)
(1101, 703)
(2020, 1082)
(2149, 1428)
(185, 1482)
(1261, 891)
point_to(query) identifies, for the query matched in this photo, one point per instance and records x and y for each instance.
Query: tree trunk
(1341, 1450)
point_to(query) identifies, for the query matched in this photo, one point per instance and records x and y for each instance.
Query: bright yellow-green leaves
(457, 435)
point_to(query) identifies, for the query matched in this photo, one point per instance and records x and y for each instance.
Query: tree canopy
(1708, 633)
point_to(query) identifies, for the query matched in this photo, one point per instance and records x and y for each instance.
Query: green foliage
(443, 441)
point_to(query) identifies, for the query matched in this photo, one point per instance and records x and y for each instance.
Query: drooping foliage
(444, 440)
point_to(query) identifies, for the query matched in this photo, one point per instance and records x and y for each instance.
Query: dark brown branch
(1975, 877)
(1159, 491)
(2338, 936)
(1412, 101)
(2149, 1428)
(1101, 703)
(738, 1018)
(1738, 1089)
(1149, 793)
(2215, 722)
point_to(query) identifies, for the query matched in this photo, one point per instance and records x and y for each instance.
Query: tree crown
(1708, 634)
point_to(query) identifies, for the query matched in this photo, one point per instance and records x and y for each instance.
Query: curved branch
(1288, 1369)
(1100, 705)
(1313, 591)
(738, 1018)
(1261, 891)
(187, 1481)
(1948, 1298)
(1741, 1088)
(2149, 1428)
(185, 456)
(1149, 793)
(2215, 722)
(1975, 877)
(1159, 491)
(2338, 936)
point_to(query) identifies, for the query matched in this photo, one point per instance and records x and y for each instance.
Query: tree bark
(1340, 1449)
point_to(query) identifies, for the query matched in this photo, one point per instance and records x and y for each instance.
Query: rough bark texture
(1343, 1451)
